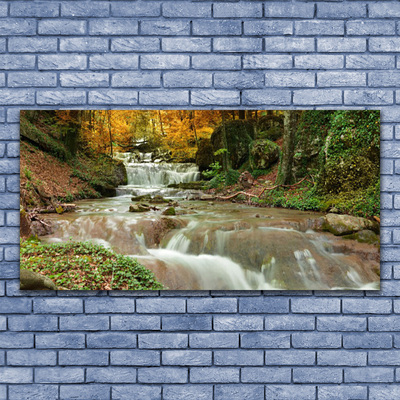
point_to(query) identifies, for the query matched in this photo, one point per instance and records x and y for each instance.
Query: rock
(246, 180)
(364, 236)
(41, 228)
(158, 199)
(30, 280)
(25, 227)
(204, 155)
(120, 174)
(210, 203)
(193, 196)
(143, 197)
(207, 197)
(169, 211)
(263, 153)
(139, 207)
(341, 225)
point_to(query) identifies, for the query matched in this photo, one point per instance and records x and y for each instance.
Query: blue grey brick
(17, 305)
(11, 254)
(16, 340)
(342, 358)
(240, 323)
(235, 392)
(98, 392)
(31, 357)
(110, 26)
(19, 26)
(381, 392)
(288, 10)
(364, 27)
(162, 375)
(156, 98)
(85, 9)
(83, 322)
(289, 79)
(290, 357)
(16, 375)
(387, 44)
(214, 375)
(17, 61)
(135, 44)
(60, 375)
(317, 375)
(163, 340)
(316, 340)
(216, 62)
(32, 391)
(32, 79)
(186, 323)
(135, 322)
(135, 357)
(62, 61)
(325, 306)
(384, 357)
(84, 79)
(384, 10)
(318, 27)
(396, 271)
(138, 9)
(370, 61)
(101, 306)
(2, 84)
(194, 45)
(32, 45)
(32, 323)
(165, 27)
(386, 132)
(109, 96)
(341, 323)
(113, 61)
(368, 374)
(317, 97)
(37, 9)
(386, 235)
(164, 61)
(260, 340)
(217, 27)
(238, 10)
(181, 9)
(341, 45)
(342, 78)
(386, 323)
(214, 340)
(289, 392)
(179, 392)
(238, 357)
(266, 61)
(87, 45)
(384, 78)
(264, 305)
(344, 392)
(3, 320)
(110, 375)
(366, 306)
(262, 96)
(237, 45)
(61, 27)
(344, 11)
(61, 97)
(269, 27)
(368, 97)
(367, 341)
(61, 340)
(136, 392)
(186, 357)
(319, 61)
(289, 323)
(396, 232)
(390, 150)
(212, 305)
(3, 9)
(111, 340)
(83, 357)
(263, 375)
(218, 97)
(187, 79)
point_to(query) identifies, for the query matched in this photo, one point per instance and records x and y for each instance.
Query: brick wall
(199, 345)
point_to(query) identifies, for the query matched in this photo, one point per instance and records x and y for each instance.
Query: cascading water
(217, 246)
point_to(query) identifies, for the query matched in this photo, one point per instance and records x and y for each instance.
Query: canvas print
(200, 200)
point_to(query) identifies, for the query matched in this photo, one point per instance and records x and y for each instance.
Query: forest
(321, 161)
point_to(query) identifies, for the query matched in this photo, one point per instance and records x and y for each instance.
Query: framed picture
(200, 200)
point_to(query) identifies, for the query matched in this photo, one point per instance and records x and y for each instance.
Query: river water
(219, 246)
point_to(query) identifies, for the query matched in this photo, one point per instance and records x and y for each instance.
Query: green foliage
(220, 151)
(259, 172)
(232, 177)
(87, 266)
(27, 173)
(214, 171)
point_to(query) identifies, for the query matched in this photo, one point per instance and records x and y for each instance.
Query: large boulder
(30, 280)
(204, 155)
(341, 225)
(263, 153)
(239, 135)
(246, 180)
(139, 207)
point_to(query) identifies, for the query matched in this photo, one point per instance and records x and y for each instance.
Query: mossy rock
(169, 211)
(364, 236)
(205, 155)
(263, 153)
(341, 225)
(273, 133)
(30, 280)
(139, 207)
(158, 199)
(59, 210)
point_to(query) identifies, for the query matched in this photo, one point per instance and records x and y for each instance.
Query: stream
(217, 246)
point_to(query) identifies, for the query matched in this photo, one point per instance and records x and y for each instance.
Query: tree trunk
(225, 155)
(242, 114)
(285, 171)
(110, 132)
